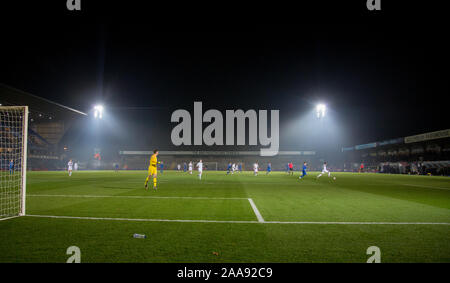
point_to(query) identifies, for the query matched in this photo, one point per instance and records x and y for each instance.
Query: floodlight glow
(320, 110)
(98, 111)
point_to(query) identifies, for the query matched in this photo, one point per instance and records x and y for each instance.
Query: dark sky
(379, 81)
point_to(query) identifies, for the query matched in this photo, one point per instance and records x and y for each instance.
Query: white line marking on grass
(10, 217)
(138, 197)
(357, 223)
(236, 221)
(256, 211)
(141, 219)
(430, 187)
(140, 182)
(411, 185)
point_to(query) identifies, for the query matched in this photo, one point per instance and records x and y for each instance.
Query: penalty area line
(428, 187)
(256, 211)
(236, 221)
(136, 197)
(141, 219)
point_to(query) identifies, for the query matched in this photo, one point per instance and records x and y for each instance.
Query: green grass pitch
(213, 219)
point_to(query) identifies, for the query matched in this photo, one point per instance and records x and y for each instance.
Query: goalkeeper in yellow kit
(152, 169)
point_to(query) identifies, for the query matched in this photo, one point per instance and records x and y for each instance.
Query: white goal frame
(24, 161)
(210, 165)
(23, 171)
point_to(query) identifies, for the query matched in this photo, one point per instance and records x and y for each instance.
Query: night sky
(378, 81)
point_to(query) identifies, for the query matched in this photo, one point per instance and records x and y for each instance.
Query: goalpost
(212, 166)
(13, 160)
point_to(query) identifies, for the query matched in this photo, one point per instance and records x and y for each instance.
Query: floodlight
(98, 111)
(320, 110)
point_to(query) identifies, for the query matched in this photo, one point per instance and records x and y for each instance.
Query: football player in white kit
(200, 169)
(324, 170)
(233, 168)
(190, 167)
(70, 167)
(255, 168)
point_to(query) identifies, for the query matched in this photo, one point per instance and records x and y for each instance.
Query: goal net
(13, 160)
(211, 166)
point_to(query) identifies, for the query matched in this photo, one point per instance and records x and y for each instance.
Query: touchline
(213, 134)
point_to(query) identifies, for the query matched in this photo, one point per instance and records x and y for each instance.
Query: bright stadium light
(320, 110)
(98, 111)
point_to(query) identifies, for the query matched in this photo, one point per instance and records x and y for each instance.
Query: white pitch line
(430, 187)
(411, 185)
(10, 217)
(256, 211)
(236, 221)
(135, 197)
(357, 223)
(142, 219)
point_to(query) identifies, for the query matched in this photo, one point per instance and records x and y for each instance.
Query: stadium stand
(48, 123)
(427, 153)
